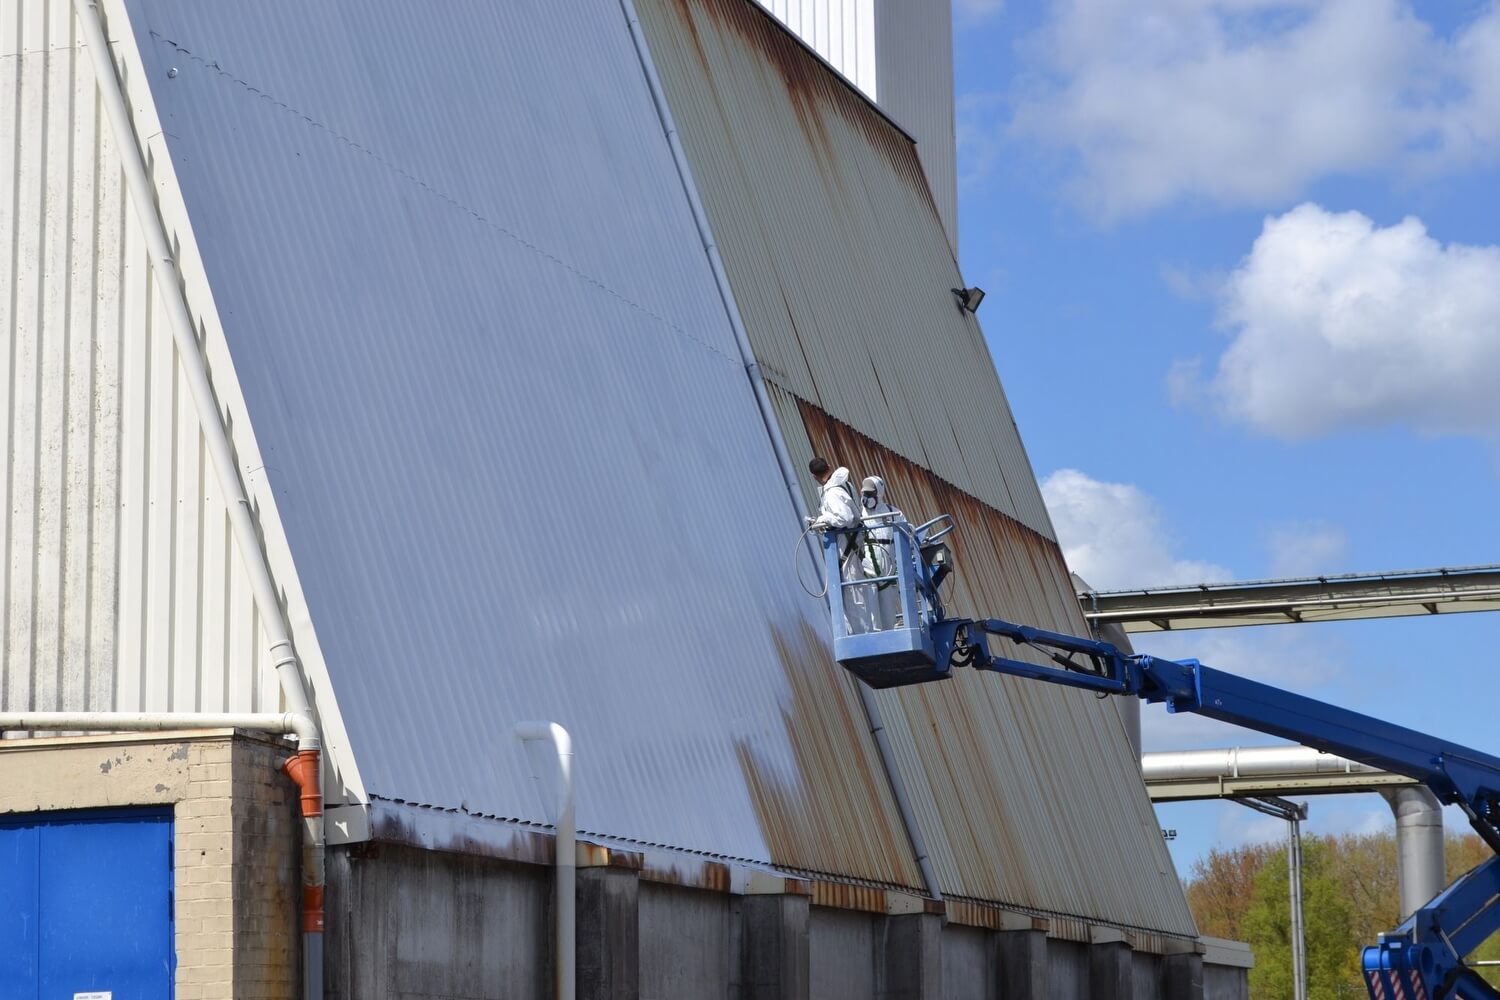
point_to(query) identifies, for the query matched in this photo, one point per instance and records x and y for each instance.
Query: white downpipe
(194, 369)
(566, 854)
(768, 418)
(216, 440)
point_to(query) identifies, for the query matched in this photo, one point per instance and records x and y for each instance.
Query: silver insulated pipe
(1247, 762)
(1419, 844)
(1418, 814)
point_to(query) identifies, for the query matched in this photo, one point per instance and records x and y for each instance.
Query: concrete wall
(1222, 982)
(407, 922)
(970, 963)
(236, 833)
(689, 945)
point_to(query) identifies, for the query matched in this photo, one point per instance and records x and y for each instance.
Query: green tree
(1350, 896)
(1219, 890)
(1332, 959)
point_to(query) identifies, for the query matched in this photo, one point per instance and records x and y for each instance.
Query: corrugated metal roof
(1026, 793)
(511, 441)
(840, 266)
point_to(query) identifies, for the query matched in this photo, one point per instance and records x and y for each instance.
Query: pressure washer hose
(797, 567)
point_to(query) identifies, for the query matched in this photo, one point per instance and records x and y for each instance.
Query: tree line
(1350, 896)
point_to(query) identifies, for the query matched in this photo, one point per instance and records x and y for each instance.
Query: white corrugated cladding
(512, 444)
(122, 588)
(914, 52)
(841, 31)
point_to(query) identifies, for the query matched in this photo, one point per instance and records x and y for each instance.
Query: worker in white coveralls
(878, 549)
(838, 510)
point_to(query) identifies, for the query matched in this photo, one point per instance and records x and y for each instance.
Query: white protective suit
(838, 509)
(879, 551)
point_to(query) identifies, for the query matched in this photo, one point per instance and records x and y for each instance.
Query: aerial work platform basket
(891, 653)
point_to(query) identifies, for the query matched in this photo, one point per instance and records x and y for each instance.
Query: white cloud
(1246, 102)
(1307, 549)
(1339, 323)
(1113, 536)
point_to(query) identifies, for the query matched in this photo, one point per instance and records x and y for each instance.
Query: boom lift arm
(1421, 959)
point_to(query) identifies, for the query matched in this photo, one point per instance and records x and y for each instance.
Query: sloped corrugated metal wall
(513, 444)
(1026, 793)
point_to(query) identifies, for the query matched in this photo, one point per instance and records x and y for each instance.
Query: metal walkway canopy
(1280, 602)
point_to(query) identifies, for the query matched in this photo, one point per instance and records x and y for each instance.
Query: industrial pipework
(1418, 814)
(237, 503)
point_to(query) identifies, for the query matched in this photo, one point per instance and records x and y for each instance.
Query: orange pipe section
(303, 769)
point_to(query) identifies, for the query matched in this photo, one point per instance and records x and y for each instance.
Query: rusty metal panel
(512, 442)
(833, 244)
(1026, 793)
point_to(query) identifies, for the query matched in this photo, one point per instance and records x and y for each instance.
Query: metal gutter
(767, 412)
(216, 440)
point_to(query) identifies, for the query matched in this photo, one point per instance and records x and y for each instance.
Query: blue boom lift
(1421, 959)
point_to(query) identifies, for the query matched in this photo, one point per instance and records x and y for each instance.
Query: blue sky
(1243, 265)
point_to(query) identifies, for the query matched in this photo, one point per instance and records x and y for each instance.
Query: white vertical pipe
(566, 850)
(1294, 879)
(768, 417)
(216, 441)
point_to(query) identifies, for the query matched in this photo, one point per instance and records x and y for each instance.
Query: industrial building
(517, 325)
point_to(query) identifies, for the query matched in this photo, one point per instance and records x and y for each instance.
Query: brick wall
(237, 848)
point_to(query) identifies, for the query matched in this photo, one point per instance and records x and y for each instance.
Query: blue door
(86, 905)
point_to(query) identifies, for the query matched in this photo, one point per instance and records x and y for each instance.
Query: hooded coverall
(838, 509)
(878, 549)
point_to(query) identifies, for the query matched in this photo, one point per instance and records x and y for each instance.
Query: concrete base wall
(1225, 983)
(690, 943)
(407, 922)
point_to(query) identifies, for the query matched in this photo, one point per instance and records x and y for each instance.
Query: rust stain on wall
(1005, 569)
(834, 813)
(817, 92)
